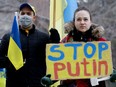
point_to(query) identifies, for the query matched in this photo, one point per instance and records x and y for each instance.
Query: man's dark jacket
(33, 49)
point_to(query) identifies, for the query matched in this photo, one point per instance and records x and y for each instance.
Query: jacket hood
(97, 30)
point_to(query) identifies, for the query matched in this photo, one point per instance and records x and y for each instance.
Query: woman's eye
(85, 19)
(79, 19)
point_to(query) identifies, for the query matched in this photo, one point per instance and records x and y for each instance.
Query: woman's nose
(82, 21)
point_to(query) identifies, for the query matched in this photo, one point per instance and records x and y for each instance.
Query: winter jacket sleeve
(4, 62)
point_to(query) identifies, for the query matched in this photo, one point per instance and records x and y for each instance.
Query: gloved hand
(113, 76)
(46, 81)
(54, 36)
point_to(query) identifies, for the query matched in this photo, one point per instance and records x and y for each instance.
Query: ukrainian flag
(71, 6)
(61, 11)
(2, 77)
(14, 49)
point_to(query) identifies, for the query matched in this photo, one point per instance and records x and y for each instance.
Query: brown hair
(79, 9)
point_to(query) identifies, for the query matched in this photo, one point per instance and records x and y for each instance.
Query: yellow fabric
(2, 77)
(60, 5)
(15, 54)
(2, 82)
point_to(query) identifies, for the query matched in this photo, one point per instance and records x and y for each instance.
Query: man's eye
(28, 13)
(22, 13)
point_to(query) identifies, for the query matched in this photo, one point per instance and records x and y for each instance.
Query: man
(33, 43)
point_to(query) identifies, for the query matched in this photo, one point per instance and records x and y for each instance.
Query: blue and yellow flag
(2, 77)
(14, 50)
(61, 11)
(71, 6)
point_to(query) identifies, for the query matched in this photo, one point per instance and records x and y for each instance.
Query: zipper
(27, 41)
(27, 31)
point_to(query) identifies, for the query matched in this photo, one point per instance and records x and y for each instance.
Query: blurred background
(103, 12)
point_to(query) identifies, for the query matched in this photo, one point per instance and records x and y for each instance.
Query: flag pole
(54, 13)
(16, 14)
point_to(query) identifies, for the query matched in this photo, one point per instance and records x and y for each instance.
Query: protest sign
(79, 60)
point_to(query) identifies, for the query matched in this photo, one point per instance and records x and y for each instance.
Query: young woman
(83, 31)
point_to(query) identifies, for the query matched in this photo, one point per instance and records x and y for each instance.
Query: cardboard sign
(79, 60)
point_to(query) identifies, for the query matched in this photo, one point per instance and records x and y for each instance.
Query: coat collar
(30, 31)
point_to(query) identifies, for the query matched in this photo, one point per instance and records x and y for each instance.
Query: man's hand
(54, 36)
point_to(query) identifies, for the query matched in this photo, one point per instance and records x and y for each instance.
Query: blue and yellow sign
(79, 60)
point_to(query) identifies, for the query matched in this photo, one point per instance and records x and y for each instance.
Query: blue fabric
(69, 10)
(15, 33)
